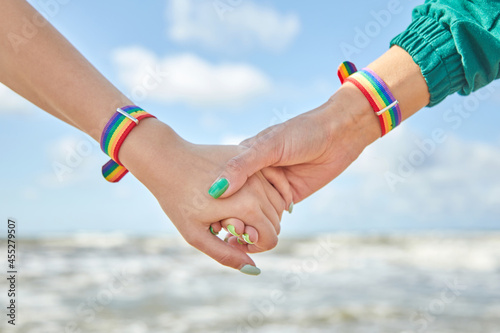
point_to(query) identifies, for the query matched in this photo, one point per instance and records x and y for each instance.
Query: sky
(271, 60)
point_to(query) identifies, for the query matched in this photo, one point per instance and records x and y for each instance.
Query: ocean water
(334, 283)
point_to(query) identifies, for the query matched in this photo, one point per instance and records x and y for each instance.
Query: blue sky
(271, 60)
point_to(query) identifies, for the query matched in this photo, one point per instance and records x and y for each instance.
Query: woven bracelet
(377, 93)
(114, 134)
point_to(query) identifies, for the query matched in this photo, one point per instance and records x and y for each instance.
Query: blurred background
(406, 240)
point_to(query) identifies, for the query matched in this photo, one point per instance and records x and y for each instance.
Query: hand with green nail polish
(177, 173)
(305, 153)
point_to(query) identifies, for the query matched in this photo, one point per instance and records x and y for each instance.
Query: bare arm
(48, 71)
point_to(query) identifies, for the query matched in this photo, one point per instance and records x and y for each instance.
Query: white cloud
(457, 182)
(187, 78)
(12, 102)
(72, 160)
(218, 24)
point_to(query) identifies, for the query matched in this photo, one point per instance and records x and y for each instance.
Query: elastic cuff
(433, 49)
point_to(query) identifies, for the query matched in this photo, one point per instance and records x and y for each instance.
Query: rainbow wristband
(377, 93)
(114, 134)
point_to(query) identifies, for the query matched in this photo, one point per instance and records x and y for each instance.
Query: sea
(407, 282)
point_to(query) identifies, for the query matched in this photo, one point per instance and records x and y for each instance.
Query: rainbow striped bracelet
(377, 93)
(114, 134)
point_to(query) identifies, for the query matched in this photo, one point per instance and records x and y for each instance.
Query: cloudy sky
(271, 60)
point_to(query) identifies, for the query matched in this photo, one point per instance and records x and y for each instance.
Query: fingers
(267, 235)
(246, 234)
(264, 151)
(277, 178)
(215, 228)
(244, 242)
(222, 252)
(272, 207)
(262, 234)
(271, 210)
(234, 226)
(250, 236)
(236, 172)
(268, 199)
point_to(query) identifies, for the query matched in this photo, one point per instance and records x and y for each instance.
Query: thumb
(238, 169)
(225, 253)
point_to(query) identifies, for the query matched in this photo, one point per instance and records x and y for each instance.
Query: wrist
(350, 113)
(149, 145)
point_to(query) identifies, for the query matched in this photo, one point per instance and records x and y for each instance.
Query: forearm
(405, 81)
(48, 71)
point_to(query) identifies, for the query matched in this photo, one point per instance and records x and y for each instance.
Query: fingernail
(213, 232)
(250, 270)
(232, 230)
(218, 188)
(238, 240)
(290, 208)
(226, 239)
(246, 237)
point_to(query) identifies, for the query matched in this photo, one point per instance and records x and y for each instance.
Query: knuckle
(246, 143)
(258, 145)
(234, 165)
(254, 152)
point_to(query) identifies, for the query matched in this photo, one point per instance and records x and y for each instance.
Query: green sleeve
(456, 44)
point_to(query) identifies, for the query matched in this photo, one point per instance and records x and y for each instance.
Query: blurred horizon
(29, 235)
(340, 282)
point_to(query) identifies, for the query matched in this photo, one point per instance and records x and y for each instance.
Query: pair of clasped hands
(244, 189)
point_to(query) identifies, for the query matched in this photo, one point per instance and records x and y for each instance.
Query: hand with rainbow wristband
(315, 147)
(66, 85)
(253, 216)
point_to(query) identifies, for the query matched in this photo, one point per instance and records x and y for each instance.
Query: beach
(407, 282)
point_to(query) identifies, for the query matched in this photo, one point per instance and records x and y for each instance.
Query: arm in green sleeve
(456, 44)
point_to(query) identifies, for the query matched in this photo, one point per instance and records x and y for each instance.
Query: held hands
(177, 173)
(265, 174)
(305, 153)
(309, 151)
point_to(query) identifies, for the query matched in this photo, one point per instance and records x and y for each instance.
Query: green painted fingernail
(218, 188)
(246, 237)
(290, 208)
(232, 230)
(238, 240)
(250, 270)
(213, 232)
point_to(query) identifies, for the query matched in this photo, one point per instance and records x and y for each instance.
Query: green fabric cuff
(433, 49)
